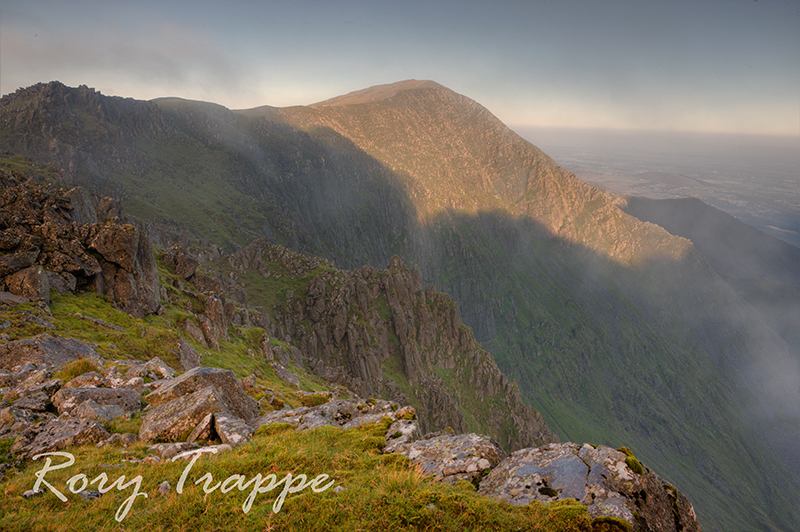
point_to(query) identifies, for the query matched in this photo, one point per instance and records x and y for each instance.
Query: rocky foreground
(203, 405)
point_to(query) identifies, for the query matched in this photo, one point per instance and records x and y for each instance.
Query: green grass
(378, 492)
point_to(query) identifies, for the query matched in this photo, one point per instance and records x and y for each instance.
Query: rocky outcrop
(609, 482)
(382, 333)
(175, 420)
(57, 239)
(44, 349)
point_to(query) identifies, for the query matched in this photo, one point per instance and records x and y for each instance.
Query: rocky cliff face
(381, 333)
(70, 240)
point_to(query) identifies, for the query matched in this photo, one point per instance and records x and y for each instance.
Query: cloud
(146, 61)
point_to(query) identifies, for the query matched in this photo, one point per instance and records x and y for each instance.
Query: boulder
(31, 282)
(36, 402)
(160, 368)
(599, 478)
(91, 379)
(232, 430)
(118, 244)
(130, 275)
(400, 434)
(176, 419)
(14, 262)
(15, 420)
(168, 450)
(44, 349)
(67, 399)
(214, 311)
(190, 358)
(91, 410)
(58, 434)
(454, 457)
(195, 332)
(236, 401)
(286, 375)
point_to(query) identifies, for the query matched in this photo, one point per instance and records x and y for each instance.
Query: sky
(712, 66)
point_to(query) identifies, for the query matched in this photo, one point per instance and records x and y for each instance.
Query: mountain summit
(379, 93)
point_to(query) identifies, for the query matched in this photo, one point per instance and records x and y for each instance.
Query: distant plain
(756, 179)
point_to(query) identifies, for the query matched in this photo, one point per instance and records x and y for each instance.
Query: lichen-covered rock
(91, 379)
(168, 450)
(67, 399)
(599, 478)
(91, 410)
(56, 435)
(36, 402)
(175, 420)
(454, 457)
(236, 401)
(400, 434)
(14, 420)
(159, 368)
(195, 332)
(346, 413)
(44, 349)
(232, 430)
(14, 262)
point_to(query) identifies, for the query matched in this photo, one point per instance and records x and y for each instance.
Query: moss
(625, 450)
(610, 524)
(121, 425)
(548, 491)
(567, 515)
(315, 399)
(634, 464)
(5, 450)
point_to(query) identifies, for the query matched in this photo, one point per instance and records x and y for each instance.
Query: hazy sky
(721, 66)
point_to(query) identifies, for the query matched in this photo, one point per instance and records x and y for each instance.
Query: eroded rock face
(352, 325)
(598, 478)
(176, 419)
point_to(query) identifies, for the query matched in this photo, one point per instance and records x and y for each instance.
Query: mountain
(764, 270)
(79, 338)
(615, 330)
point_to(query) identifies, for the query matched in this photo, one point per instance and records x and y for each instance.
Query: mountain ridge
(585, 306)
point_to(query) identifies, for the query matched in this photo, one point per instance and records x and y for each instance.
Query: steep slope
(764, 270)
(614, 329)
